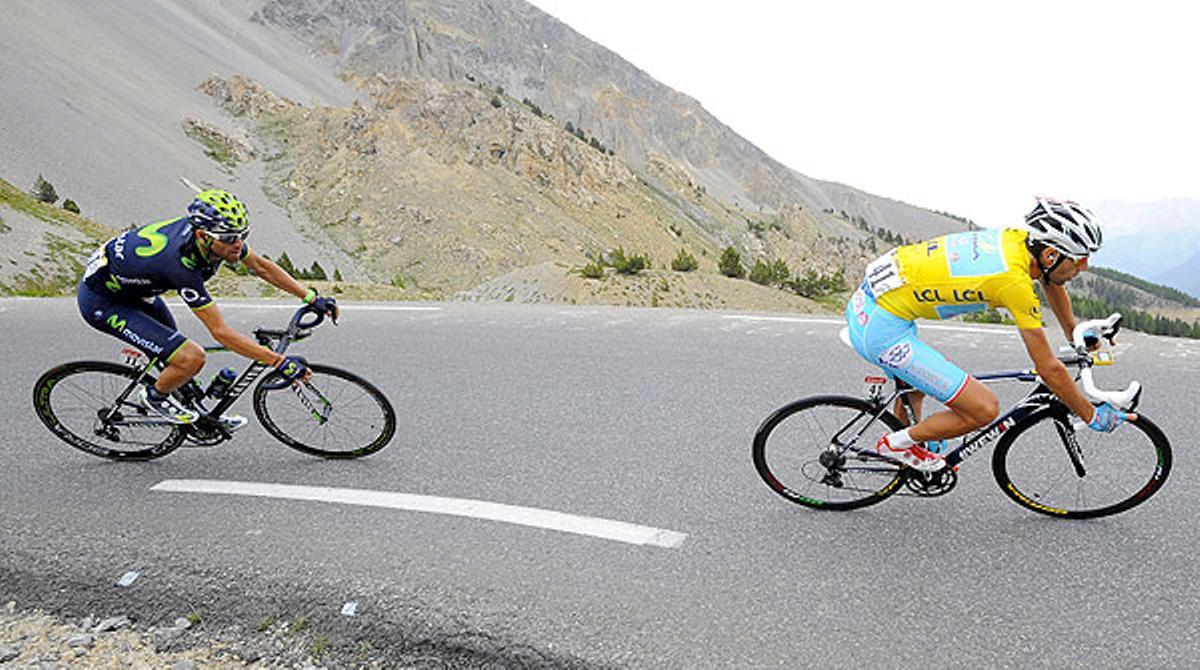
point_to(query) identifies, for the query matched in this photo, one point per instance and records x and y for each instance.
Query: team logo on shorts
(897, 356)
(863, 318)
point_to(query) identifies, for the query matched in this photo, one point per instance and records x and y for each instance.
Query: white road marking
(842, 322)
(478, 509)
(352, 306)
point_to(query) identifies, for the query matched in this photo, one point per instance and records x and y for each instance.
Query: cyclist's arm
(270, 272)
(1060, 304)
(231, 339)
(1055, 374)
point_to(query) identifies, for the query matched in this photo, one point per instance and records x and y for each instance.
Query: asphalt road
(642, 416)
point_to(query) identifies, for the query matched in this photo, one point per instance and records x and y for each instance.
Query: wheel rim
(77, 406)
(1122, 469)
(800, 461)
(335, 415)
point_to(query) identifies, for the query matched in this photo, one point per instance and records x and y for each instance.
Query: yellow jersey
(958, 274)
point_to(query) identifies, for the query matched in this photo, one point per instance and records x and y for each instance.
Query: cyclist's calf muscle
(184, 364)
(975, 406)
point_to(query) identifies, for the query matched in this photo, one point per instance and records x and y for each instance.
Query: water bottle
(221, 382)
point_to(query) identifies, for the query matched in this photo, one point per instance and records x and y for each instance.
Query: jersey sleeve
(1022, 302)
(195, 296)
(190, 285)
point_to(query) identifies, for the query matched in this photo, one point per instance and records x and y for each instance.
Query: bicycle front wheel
(78, 403)
(337, 414)
(819, 452)
(1109, 473)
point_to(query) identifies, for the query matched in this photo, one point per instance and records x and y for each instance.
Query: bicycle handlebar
(1108, 328)
(298, 323)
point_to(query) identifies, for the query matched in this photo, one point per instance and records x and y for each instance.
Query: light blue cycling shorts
(892, 343)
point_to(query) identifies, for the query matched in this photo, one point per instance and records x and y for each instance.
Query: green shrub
(70, 206)
(730, 264)
(684, 262)
(593, 270)
(627, 265)
(532, 107)
(816, 285)
(779, 271)
(496, 101)
(761, 273)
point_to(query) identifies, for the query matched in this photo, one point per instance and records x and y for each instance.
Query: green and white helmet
(218, 212)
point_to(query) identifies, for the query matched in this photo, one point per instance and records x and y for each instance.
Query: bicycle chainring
(205, 433)
(931, 484)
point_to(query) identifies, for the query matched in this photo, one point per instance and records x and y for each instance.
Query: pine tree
(730, 264)
(44, 191)
(286, 263)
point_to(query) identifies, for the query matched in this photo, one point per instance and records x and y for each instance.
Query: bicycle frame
(1038, 398)
(296, 330)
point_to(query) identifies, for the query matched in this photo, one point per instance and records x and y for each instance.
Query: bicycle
(1041, 460)
(93, 405)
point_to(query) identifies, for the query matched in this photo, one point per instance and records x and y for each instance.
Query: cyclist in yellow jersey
(969, 272)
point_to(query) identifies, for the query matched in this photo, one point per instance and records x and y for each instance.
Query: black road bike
(820, 451)
(93, 405)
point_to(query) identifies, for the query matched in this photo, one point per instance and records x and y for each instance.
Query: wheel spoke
(357, 420)
(793, 455)
(1123, 468)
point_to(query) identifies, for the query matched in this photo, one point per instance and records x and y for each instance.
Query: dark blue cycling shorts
(145, 323)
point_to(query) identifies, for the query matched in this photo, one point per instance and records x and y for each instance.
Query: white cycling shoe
(167, 407)
(233, 422)
(916, 456)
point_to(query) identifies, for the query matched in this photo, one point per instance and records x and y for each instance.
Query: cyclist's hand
(326, 305)
(1107, 418)
(1091, 338)
(293, 368)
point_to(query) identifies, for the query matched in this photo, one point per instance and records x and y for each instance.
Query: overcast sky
(967, 107)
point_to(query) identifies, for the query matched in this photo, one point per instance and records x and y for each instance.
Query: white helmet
(1064, 225)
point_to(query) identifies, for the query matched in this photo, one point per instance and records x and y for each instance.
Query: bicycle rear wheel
(807, 453)
(1117, 471)
(78, 403)
(337, 414)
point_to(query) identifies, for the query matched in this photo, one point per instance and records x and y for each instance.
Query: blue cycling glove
(292, 368)
(1107, 418)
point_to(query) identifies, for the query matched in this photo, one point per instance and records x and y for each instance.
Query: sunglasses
(227, 238)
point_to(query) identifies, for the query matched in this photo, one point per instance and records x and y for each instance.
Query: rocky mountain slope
(512, 45)
(446, 185)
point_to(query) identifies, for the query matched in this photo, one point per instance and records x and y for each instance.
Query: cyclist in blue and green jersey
(963, 273)
(120, 294)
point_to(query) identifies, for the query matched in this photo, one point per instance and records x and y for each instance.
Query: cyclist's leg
(916, 399)
(139, 323)
(975, 407)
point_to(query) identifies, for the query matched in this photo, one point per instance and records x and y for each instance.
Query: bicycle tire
(289, 414)
(87, 399)
(890, 474)
(1041, 471)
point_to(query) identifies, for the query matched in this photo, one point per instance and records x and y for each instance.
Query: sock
(155, 394)
(900, 439)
